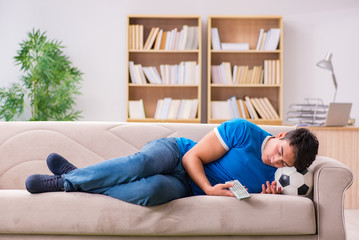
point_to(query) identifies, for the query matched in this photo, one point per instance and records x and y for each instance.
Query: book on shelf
(234, 46)
(252, 111)
(152, 75)
(268, 75)
(131, 68)
(135, 36)
(215, 40)
(271, 72)
(185, 73)
(174, 109)
(268, 40)
(169, 108)
(158, 40)
(232, 103)
(169, 39)
(220, 110)
(163, 114)
(172, 39)
(136, 109)
(163, 40)
(151, 38)
(188, 109)
(137, 75)
(192, 40)
(260, 37)
(259, 109)
(247, 108)
(272, 40)
(244, 109)
(223, 74)
(272, 111)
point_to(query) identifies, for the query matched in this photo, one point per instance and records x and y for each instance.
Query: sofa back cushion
(24, 146)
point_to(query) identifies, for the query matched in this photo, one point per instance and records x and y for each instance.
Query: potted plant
(48, 85)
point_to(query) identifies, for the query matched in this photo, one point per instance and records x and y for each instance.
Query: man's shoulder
(240, 122)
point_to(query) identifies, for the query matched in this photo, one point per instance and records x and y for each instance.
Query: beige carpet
(352, 223)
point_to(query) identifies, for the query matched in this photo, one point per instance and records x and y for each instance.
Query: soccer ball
(294, 182)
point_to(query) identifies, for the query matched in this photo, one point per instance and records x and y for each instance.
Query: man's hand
(220, 190)
(271, 188)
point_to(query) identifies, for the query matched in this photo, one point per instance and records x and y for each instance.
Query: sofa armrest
(331, 180)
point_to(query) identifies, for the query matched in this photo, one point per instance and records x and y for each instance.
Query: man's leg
(149, 191)
(157, 157)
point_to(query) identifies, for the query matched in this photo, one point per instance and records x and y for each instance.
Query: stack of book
(269, 74)
(136, 37)
(169, 108)
(268, 40)
(218, 45)
(247, 108)
(166, 108)
(216, 42)
(136, 109)
(313, 112)
(160, 39)
(184, 73)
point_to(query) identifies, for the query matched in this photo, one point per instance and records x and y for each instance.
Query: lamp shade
(326, 63)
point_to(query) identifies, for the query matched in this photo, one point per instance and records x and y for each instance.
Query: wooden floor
(352, 223)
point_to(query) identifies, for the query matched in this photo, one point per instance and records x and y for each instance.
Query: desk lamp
(326, 63)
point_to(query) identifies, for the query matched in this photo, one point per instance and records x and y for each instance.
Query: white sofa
(24, 147)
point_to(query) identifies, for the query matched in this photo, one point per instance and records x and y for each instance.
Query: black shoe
(38, 183)
(58, 165)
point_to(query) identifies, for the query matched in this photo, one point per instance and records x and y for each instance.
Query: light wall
(94, 33)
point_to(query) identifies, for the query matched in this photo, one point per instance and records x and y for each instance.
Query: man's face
(278, 153)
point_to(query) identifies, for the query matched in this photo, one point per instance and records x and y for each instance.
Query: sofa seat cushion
(92, 214)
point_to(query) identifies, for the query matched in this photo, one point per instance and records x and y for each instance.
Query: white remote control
(238, 190)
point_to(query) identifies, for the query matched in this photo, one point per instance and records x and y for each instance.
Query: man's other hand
(271, 188)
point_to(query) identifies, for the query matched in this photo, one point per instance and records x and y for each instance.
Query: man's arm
(207, 150)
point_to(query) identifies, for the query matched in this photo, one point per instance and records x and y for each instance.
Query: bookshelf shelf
(245, 85)
(176, 59)
(164, 51)
(244, 51)
(149, 85)
(165, 120)
(260, 66)
(258, 122)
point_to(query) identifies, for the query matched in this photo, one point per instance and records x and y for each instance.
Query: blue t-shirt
(243, 141)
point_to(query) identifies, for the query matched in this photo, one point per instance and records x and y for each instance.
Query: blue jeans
(152, 176)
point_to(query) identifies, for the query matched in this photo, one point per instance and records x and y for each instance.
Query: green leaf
(49, 81)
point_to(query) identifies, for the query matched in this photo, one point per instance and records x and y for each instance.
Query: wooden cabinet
(342, 143)
(163, 57)
(245, 29)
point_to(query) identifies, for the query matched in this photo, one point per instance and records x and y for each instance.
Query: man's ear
(281, 135)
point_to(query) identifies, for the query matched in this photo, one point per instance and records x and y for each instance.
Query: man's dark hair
(305, 145)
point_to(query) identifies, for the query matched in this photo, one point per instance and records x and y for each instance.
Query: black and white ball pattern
(294, 182)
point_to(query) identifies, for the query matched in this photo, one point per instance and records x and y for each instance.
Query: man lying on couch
(172, 168)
